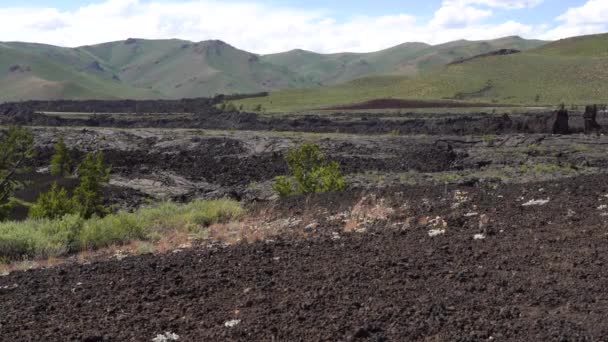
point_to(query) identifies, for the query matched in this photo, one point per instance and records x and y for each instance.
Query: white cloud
(464, 13)
(592, 17)
(506, 4)
(256, 27)
(454, 16)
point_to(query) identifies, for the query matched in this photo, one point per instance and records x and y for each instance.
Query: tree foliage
(88, 196)
(54, 204)
(16, 148)
(61, 163)
(309, 173)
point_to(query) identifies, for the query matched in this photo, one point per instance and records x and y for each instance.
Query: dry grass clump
(52, 238)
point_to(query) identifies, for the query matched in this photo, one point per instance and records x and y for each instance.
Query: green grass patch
(571, 72)
(52, 238)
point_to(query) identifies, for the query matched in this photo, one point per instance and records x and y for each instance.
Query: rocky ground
(456, 227)
(511, 263)
(182, 164)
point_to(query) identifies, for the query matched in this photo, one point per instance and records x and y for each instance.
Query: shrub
(284, 186)
(61, 163)
(40, 238)
(54, 204)
(310, 173)
(88, 196)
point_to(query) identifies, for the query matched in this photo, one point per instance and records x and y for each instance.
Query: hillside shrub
(41, 238)
(53, 204)
(309, 173)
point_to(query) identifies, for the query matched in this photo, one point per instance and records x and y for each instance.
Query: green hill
(137, 68)
(572, 70)
(25, 75)
(406, 59)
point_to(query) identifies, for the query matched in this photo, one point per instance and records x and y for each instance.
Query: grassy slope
(571, 71)
(185, 69)
(177, 68)
(406, 59)
(43, 78)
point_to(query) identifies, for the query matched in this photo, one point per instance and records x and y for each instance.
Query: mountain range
(139, 68)
(570, 71)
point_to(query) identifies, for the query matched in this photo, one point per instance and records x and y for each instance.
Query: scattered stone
(436, 232)
(120, 255)
(167, 336)
(460, 197)
(311, 227)
(293, 223)
(232, 323)
(470, 214)
(9, 287)
(536, 202)
(438, 222)
(479, 237)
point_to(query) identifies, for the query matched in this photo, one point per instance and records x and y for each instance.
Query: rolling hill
(28, 75)
(572, 71)
(138, 68)
(407, 59)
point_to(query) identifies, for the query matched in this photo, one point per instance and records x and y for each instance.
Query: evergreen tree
(88, 196)
(16, 148)
(53, 204)
(61, 163)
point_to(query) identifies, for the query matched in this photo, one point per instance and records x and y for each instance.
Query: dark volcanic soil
(209, 117)
(539, 275)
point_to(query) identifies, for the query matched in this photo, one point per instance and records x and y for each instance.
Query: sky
(268, 26)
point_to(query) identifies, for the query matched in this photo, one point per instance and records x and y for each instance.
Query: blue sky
(267, 26)
(545, 12)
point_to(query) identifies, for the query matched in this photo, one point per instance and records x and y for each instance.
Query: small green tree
(53, 204)
(16, 148)
(88, 196)
(310, 173)
(61, 163)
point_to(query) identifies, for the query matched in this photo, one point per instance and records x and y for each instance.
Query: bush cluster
(41, 238)
(310, 172)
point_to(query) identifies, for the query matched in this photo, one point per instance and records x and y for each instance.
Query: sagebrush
(41, 238)
(310, 172)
